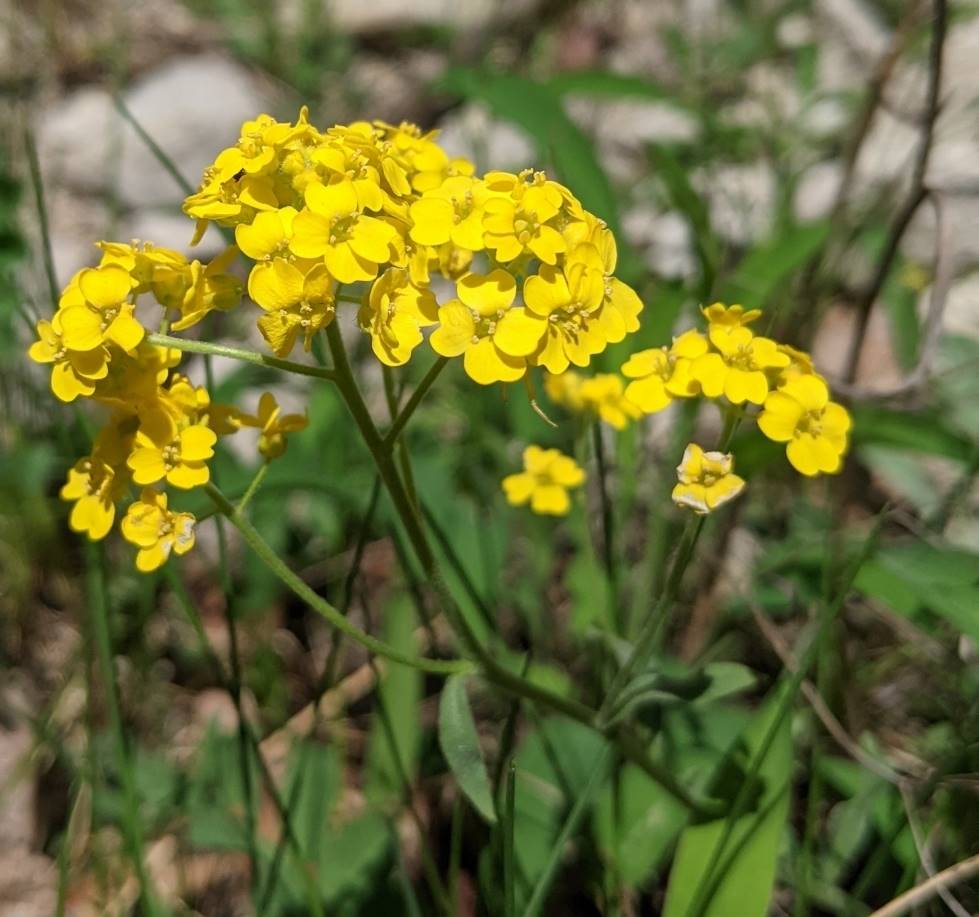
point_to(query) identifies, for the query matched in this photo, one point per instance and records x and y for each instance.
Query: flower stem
(608, 526)
(319, 604)
(236, 353)
(404, 415)
(253, 487)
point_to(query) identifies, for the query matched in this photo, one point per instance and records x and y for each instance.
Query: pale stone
(741, 200)
(816, 191)
(471, 132)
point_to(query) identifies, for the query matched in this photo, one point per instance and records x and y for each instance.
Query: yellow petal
(519, 332)
(518, 488)
(81, 327)
(485, 364)
(125, 330)
(488, 293)
(431, 221)
(196, 443)
(105, 286)
(276, 285)
(455, 331)
(648, 394)
(188, 475)
(710, 371)
(346, 266)
(311, 235)
(329, 201)
(66, 385)
(550, 500)
(546, 291)
(741, 385)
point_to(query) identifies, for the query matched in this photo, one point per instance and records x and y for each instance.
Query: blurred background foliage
(752, 152)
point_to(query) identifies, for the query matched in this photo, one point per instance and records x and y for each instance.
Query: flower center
(811, 422)
(341, 227)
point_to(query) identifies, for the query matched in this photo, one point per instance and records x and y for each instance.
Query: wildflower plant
(505, 274)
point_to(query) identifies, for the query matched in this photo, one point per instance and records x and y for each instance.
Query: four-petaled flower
(156, 530)
(493, 338)
(273, 426)
(95, 309)
(93, 487)
(661, 374)
(544, 482)
(815, 428)
(706, 480)
(75, 372)
(737, 371)
(295, 301)
(163, 452)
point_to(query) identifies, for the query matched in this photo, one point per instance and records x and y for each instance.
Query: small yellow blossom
(604, 395)
(75, 372)
(737, 370)
(333, 227)
(393, 315)
(207, 288)
(493, 338)
(92, 486)
(516, 218)
(565, 389)
(661, 374)
(273, 426)
(706, 480)
(544, 482)
(729, 316)
(95, 309)
(156, 530)
(268, 235)
(451, 212)
(815, 428)
(295, 301)
(163, 452)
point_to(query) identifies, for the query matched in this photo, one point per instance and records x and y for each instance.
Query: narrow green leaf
(751, 850)
(460, 746)
(603, 83)
(916, 432)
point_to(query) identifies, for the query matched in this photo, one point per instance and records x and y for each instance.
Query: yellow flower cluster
(544, 483)
(731, 364)
(384, 205)
(161, 428)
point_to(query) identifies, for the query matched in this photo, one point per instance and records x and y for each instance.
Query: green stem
(319, 604)
(236, 353)
(404, 415)
(37, 184)
(509, 828)
(103, 642)
(732, 420)
(650, 631)
(253, 487)
(711, 881)
(608, 524)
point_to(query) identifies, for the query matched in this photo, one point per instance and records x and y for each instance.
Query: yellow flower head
(95, 309)
(208, 288)
(333, 227)
(565, 303)
(814, 428)
(452, 212)
(296, 301)
(162, 451)
(565, 389)
(482, 326)
(74, 372)
(661, 374)
(93, 487)
(273, 426)
(156, 530)
(394, 314)
(544, 482)
(729, 316)
(518, 217)
(705, 480)
(268, 235)
(738, 369)
(604, 395)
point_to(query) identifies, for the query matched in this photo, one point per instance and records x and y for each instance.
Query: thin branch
(928, 889)
(924, 855)
(938, 299)
(915, 197)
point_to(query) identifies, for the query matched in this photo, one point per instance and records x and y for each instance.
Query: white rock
(631, 123)
(471, 132)
(740, 199)
(825, 118)
(962, 214)
(816, 191)
(358, 16)
(961, 307)
(854, 23)
(192, 107)
(794, 31)
(664, 240)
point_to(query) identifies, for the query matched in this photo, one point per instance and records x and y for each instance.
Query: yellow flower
(393, 315)
(815, 428)
(156, 530)
(451, 212)
(706, 480)
(661, 374)
(208, 288)
(75, 372)
(566, 300)
(544, 482)
(163, 451)
(273, 425)
(620, 306)
(494, 338)
(738, 370)
(93, 486)
(333, 228)
(296, 302)
(516, 218)
(800, 364)
(565, 389)
(95, 309)
(268, 235)
(603, 394)
(729, 316)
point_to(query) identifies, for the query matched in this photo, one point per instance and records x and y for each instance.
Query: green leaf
(647, 824)
(916, 432)
(901, 306)
(606, 84)
(460, 746)
(766, 267)
(752, 847)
